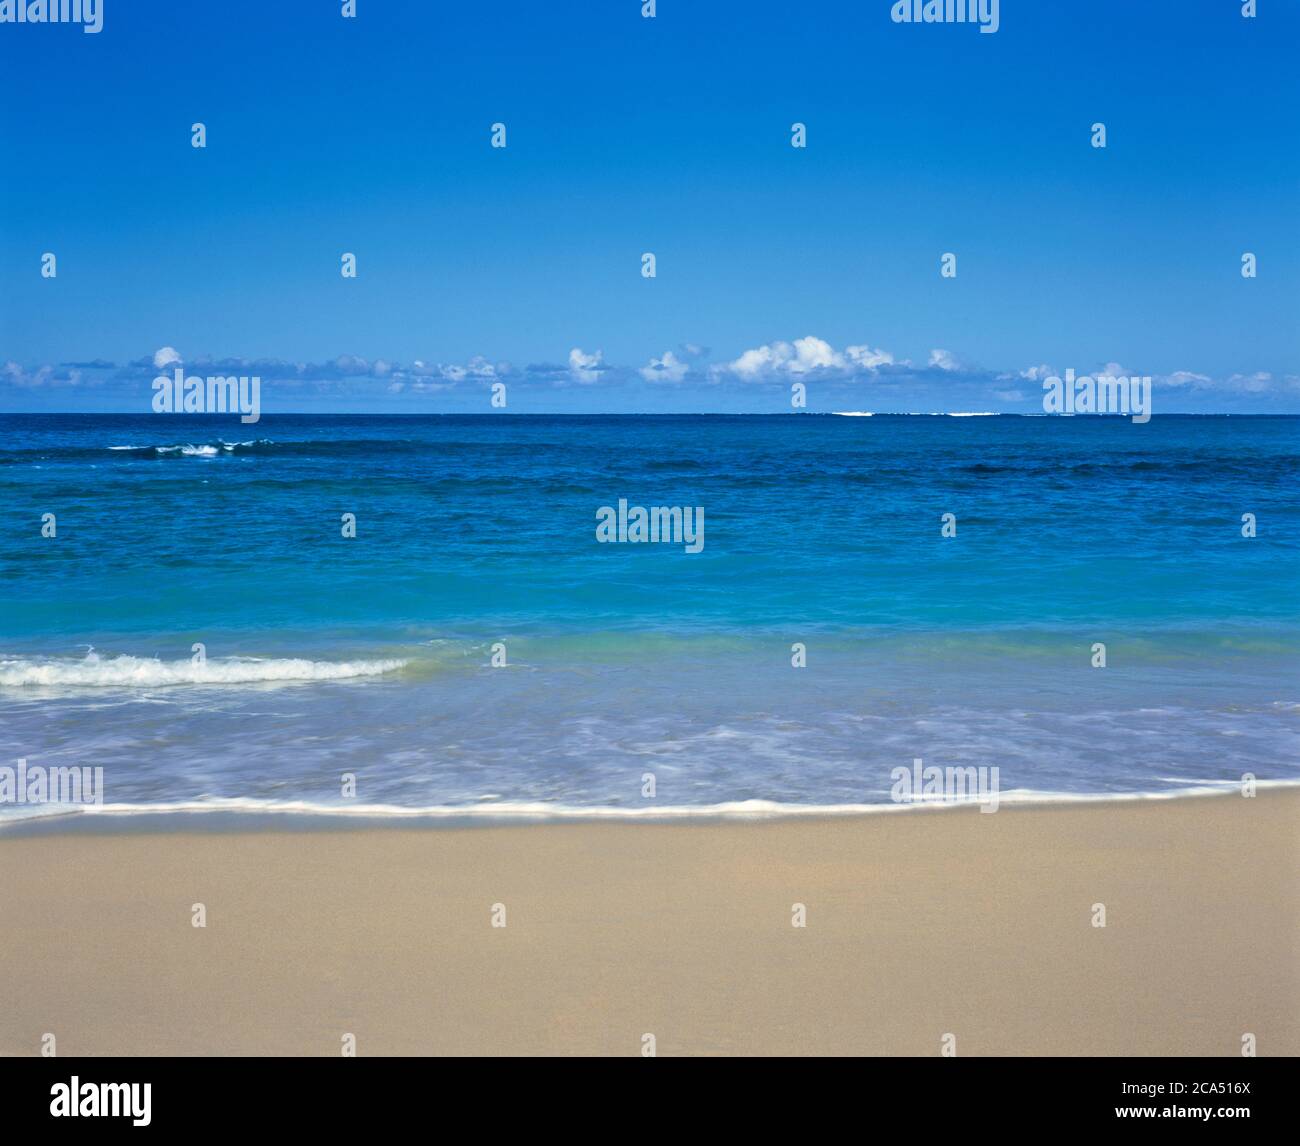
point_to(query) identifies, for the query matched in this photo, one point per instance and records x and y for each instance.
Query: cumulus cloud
(1037, 373)
(944, 360)
(164, 357)
(668, 368)
(800, 358)
(866, 358)
(586, 368)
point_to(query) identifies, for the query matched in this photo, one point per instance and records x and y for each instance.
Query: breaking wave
(125, 671)
(189, 450)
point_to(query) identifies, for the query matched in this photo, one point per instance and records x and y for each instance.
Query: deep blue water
(372, 654)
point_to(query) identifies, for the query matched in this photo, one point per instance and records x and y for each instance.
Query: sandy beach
(918, 925)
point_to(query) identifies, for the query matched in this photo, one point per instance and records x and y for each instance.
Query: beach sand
(920, 923)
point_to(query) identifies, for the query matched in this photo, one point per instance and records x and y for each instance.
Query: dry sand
(919, 924)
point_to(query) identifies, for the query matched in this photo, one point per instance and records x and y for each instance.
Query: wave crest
(125, 671)
(209, 450)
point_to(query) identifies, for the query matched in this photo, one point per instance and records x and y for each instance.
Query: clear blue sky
(670, 135)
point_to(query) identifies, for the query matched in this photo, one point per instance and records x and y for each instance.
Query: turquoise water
(372, 654)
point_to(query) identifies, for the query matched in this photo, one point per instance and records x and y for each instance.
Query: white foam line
(145, 672)
(533, 812)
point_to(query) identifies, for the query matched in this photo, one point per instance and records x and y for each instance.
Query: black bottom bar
(340, 1095)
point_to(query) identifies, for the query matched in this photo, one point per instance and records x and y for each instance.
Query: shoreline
(251, 816)
(980, 926)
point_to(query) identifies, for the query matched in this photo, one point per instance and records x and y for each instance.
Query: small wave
(147, 672)
(190, 450)
(235, 811)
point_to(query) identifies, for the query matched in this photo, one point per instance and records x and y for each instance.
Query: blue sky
(669, 135)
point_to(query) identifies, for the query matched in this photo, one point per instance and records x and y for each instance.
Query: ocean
(475, 652)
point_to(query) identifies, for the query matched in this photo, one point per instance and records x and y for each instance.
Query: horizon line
(643, 414)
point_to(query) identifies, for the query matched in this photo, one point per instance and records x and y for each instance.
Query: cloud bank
(865, 373)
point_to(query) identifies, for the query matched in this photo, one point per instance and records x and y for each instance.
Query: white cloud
(45, 375)
(669, 368)
(586, 368)
(1043, 371)
(1251, 383)
(944, 360)
(477, 369)
(802, 357)
(1186, 378)
(866, 358)
(1038, 373)
(165, 357)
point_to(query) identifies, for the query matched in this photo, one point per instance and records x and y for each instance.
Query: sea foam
(189, 450)
(124, 671)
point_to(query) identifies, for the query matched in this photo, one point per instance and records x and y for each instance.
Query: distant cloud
(944, 378)
(1040, 373)
(1037, 373)
(866, 358)
(944, 360)
(430, 378)
(1255, 383)
(586, 368)
(1186, 378)
(801, 358)
(13, 374)
(667, 368)
(477, 369)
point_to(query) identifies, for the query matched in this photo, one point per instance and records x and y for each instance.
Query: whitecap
(148, 672)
